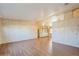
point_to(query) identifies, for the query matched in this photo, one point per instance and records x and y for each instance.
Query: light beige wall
(17, 30)
(1, 31)
(67, 31)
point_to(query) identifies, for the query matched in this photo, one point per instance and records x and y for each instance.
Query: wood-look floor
(37, 47)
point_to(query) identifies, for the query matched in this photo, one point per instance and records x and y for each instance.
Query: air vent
(66, 3)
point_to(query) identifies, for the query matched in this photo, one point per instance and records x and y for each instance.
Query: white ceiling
(31, 11)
